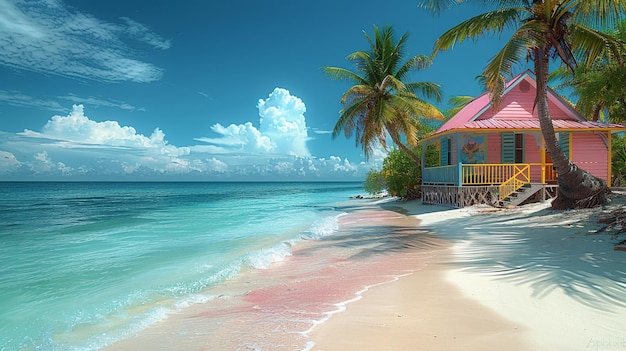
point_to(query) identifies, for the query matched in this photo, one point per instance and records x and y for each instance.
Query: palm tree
(568, 30)
(380, 104)
(600, 91)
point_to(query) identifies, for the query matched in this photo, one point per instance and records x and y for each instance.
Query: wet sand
(323, 296)
(404, 276)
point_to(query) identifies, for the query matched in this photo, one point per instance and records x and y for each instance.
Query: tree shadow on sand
(536, 251)
(371, 240)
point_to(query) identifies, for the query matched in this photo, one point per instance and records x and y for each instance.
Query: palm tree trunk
(577, 187)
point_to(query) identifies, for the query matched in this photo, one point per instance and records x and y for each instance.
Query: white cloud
(93, 101)
(78, 130)
(320, 131)
(77, 147)
(46, 36)
(78, 138)
(282, 120)
(144, 34)
(18, 99)
(243, 137)
(282, 128)
(8, 162)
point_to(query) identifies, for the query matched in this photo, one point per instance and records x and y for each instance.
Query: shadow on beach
(540, 248)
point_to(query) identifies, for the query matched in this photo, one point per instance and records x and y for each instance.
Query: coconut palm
(600, 91)
(567, 30)
(380, 104)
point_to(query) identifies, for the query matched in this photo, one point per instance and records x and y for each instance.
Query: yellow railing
(520, 178)
(488, 174)
(508, 177)
(480, 174)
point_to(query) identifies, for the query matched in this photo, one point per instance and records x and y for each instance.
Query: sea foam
(263, 258)
(322, 228)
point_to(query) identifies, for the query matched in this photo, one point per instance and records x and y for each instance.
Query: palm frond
(514, 52)
(592, 45)
(457, 103)
(356, 92)
(343, 74)
(598, 14)
(418, 62)
(428, 90)
(494, 22)
(438, 6)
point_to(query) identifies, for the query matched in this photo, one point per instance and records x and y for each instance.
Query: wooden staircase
(522, 194)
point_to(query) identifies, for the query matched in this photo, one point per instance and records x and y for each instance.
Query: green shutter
(508, 147)
(444, 152)
(564, 142)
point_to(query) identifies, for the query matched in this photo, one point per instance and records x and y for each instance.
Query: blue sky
(198, 90)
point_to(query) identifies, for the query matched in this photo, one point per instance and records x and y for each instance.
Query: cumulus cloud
(46, 36)
(282, 120)
(78, 130)
(282, 128)
(74, 146)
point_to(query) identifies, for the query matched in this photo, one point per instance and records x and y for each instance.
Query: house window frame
(519, 147)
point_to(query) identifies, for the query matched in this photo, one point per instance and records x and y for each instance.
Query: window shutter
(564, 142)
(444, 152)
(508, 147)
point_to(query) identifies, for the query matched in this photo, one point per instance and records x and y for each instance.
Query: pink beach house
(498, 156)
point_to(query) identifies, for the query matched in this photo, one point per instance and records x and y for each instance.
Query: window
(519, 148)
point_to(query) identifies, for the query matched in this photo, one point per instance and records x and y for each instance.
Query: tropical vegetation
(599, 90)
(400, 175)
(618, 164)
(381, 103)
(570, 31)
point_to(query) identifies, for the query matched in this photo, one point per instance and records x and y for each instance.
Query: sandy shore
(422, 311)
(406, 276)
(522, 279)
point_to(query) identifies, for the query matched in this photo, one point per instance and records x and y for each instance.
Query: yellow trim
(520, 178)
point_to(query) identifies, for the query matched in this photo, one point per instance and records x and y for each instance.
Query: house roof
(516, 111)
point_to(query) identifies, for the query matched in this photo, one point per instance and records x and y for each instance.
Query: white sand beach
(527, 278)
(479, 278)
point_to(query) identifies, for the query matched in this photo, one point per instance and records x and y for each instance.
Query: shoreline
(419, 311)
(402, 275)
(277, 307)
(541, 279)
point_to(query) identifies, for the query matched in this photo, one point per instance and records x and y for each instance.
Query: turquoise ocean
(83, 265)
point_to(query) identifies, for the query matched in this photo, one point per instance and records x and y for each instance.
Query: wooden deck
(492, 184)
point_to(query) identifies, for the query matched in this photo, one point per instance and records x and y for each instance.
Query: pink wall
(533, 155)
(494, 150)
(518, 104)
(590, 153)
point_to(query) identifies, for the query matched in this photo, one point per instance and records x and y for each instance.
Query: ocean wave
(263, 258)
(324, 227)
